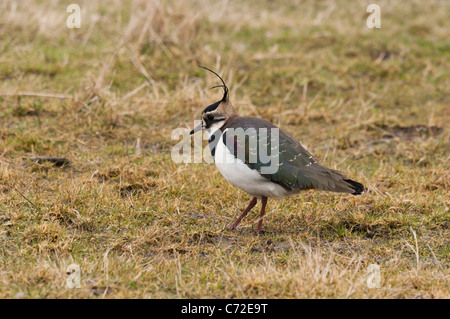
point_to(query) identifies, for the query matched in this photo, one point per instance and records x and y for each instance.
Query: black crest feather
(223, 85)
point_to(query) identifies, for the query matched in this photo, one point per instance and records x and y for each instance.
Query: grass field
(373, 103)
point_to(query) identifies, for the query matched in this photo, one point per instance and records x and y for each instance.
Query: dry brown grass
(373, 103)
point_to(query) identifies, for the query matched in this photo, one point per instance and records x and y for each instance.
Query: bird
(241, 164)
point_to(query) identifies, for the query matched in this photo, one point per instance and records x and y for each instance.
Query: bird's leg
(263, 211)
(245, 212)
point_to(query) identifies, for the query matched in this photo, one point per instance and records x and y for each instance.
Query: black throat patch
(213, 140)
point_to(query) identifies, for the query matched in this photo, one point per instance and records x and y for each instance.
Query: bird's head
(215, 115)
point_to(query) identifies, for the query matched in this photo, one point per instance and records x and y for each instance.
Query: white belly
(240, 175)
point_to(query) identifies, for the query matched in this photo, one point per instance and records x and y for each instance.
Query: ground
(373, 103)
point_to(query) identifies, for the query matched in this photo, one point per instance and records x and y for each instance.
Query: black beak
(196, 129)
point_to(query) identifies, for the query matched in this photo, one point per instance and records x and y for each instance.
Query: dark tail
(357, 187)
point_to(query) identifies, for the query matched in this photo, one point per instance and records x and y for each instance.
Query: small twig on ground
(29, 201)
(37, 94)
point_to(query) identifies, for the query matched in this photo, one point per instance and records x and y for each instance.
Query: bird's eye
(210, 117)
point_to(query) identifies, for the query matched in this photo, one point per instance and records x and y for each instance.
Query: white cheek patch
(214, 127)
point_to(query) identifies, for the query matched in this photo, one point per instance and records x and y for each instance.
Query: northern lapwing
(296, 169)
